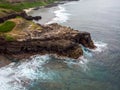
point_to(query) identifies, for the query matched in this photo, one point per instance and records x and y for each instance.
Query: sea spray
(101, 46)
(22, 75)
(19, 76)
(81, 62)
(87, 54)
(86, 51)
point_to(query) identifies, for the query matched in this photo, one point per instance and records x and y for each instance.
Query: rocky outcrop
(67, 33)
(53, 39)
(22, 14)
(58, 47)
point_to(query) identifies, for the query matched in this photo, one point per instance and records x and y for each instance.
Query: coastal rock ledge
(52, 39)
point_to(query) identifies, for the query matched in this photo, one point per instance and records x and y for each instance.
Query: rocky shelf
(52, 39)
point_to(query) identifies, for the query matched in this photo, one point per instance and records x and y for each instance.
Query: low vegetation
(23, 5)
(18, 28)
(7, 26)
(9, 37)
(22, 29)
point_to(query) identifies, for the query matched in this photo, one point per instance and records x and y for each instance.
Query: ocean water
(97, 69)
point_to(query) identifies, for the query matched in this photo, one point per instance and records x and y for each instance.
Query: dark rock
(1, 20)
(28, 17)
(9, 16)
(37, 18)
(36, 8)
(59, 47)
(22, 14)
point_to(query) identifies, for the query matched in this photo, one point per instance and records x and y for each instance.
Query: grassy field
(7, 26)
(24, 5)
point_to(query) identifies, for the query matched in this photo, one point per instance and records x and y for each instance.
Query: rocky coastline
(53, 39)
(31, 38)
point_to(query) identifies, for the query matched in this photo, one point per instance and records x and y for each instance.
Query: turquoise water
(97, 70)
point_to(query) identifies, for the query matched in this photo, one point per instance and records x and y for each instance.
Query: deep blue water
(97, 70)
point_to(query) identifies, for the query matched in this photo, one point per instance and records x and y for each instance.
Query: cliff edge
(31, 39)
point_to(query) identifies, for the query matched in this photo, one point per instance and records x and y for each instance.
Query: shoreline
(55, 13)
(61, 40)
(47, 6)
(5, 60)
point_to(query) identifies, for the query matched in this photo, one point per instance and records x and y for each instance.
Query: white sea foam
(86, 51)
(19, 76)
(80, 62)
(28, 10)
(101, 46)
(60, 16)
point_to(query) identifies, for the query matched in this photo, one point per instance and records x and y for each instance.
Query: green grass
(24, 5)
(10, 6)
(7, 26)
(9, 38)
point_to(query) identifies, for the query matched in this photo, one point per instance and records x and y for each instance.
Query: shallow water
(97, 70)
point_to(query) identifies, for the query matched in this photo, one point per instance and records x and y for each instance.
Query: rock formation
(53, 39)
(21, 14)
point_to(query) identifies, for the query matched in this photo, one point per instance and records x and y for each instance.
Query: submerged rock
(53, 39)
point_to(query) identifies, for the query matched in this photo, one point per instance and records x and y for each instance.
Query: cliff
(49, 39)
(21, 38)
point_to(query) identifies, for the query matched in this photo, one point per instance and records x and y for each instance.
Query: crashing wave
(19, 76)
(60, 16)
(101, 46)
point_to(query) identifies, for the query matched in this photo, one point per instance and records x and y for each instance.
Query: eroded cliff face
(67, 33)
(52, 39)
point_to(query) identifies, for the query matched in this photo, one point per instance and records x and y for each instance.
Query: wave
(87, 54)
(19, 76)
(86, 51)
(80, 62)
(60, 16)
(101, 46)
